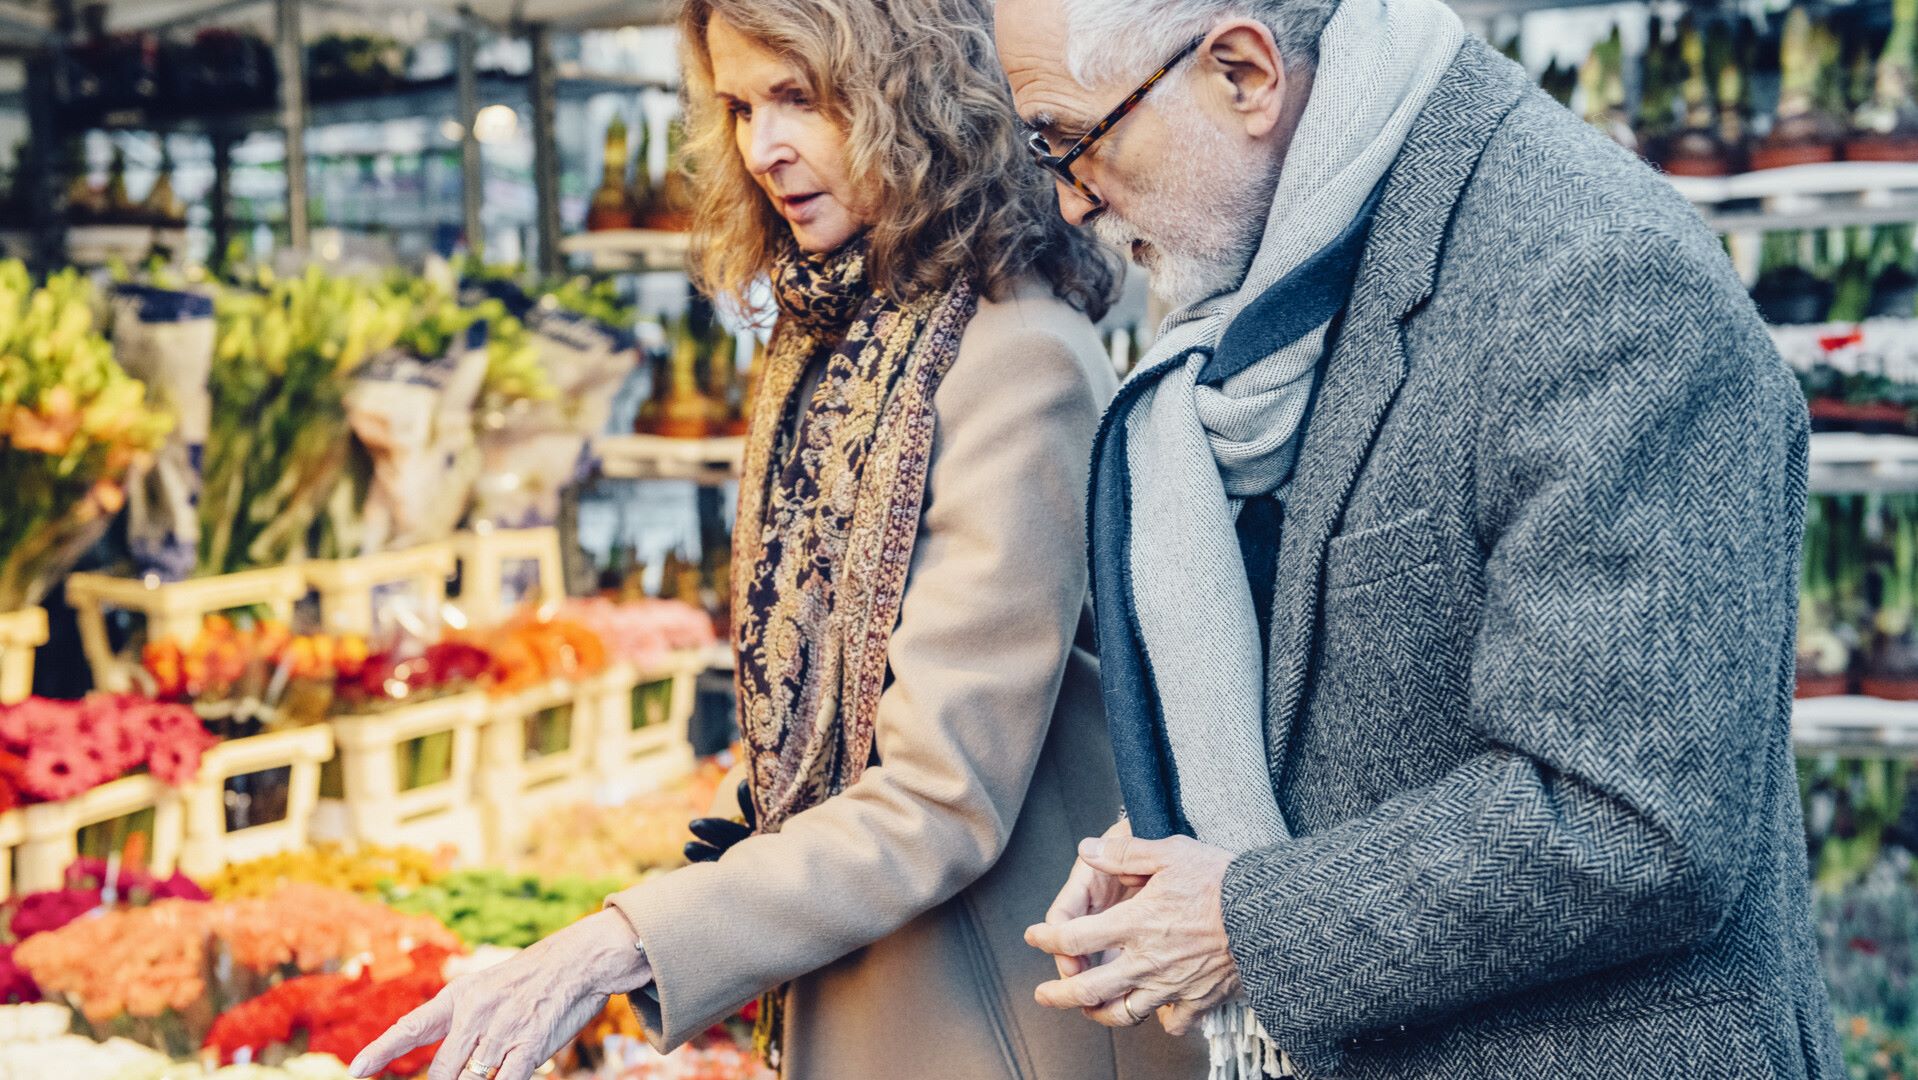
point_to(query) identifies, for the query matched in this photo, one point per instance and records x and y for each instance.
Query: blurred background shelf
(641, 250)
(654, 457)
(1854, 723)
(1846, 463)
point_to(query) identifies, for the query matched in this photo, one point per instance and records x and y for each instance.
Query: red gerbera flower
(34, 720)
(175, 763)
(57, 772)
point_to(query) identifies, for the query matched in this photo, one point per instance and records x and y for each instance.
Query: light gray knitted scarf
(1194, 451)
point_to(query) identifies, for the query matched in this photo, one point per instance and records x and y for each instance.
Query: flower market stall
(339, 690)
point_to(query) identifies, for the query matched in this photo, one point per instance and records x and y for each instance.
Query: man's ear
(1239, 63)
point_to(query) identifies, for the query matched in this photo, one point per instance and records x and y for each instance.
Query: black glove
(718, 835)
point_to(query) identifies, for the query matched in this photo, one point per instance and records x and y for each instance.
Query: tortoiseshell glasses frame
(1060, 165)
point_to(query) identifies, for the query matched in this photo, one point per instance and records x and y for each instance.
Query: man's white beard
(1201, 220)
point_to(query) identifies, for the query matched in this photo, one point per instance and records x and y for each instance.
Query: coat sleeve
(1641, 482)
(992, 605)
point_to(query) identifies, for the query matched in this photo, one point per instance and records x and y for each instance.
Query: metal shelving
(458, 96)
(1843, 463)
(1831, 195)
(1851, 724)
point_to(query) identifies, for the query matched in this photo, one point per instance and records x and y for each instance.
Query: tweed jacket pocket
(1377, 552)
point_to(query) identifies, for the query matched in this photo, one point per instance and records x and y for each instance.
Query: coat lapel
(1368, 364)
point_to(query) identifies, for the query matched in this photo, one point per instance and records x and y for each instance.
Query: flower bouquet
(529, 650)
(277, 444)
(137, 973)
(583, 343)
(334, 1014)
(492, 907)
(85, 891)
(414, 408)
(364, 871)
(71, 424)
(55, 750)
(642, 632)
(305, 929)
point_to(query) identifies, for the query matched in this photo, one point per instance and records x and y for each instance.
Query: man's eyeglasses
(1060, 165)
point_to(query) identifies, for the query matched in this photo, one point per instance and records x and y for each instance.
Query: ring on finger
(484, 1072)
(1126, 1004)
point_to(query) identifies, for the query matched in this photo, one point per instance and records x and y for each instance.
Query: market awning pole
(47, 155)
(545, 94)
(291, 55)
(222, 198)
(472, 168)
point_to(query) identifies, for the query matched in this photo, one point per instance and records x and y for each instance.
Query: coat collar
(1367, 364)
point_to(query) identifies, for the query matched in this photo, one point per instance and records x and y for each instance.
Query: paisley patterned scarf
(829, 508)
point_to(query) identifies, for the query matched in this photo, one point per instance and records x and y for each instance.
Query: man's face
(1186, 191)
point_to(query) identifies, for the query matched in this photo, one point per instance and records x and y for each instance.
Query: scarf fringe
(1240, 1048)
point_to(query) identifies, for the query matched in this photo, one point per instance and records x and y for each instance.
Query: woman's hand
(1088, 891)
(517, 1015)
(716, 836)
(1166, 943)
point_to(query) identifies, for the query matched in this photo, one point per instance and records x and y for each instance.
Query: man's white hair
(1111, 41)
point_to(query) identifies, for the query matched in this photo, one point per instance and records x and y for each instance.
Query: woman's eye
(740, 110)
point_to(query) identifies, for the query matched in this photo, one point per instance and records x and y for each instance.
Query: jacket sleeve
(1640, 473)
(993, 602)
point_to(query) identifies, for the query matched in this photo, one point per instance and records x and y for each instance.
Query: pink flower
(35, 719)
(38, 913)
(16, 986)
(174, 764)
(55, 773)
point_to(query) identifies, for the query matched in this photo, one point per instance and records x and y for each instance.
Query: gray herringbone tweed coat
(1532, 647)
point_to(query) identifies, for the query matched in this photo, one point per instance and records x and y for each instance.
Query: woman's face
(797, 154)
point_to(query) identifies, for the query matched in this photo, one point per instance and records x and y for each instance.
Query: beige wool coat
(897, 909)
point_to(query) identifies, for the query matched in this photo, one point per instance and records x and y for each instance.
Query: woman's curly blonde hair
(929, 124)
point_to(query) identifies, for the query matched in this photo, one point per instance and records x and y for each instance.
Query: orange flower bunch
(227, 652)
(138, 962)
(313, 928)
(528, 650)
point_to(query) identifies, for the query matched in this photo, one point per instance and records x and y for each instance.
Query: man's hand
(1169, 936)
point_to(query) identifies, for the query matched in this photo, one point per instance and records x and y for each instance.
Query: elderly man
(1445, 552)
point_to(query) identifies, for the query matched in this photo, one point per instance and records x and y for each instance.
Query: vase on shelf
(684, 412)
(640, 194)
(610, 208)
(673, 210)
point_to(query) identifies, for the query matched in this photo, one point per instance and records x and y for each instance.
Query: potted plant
(1891, 671)
(1824, 658)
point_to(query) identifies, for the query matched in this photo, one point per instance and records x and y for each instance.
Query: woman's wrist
(617, 962)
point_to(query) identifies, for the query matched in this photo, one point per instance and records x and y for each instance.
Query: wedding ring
(1126, 1003)
(484, 1072)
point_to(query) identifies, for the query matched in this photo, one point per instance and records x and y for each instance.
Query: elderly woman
(917, 689)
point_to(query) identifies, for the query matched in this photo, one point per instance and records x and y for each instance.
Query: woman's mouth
(800, 208)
